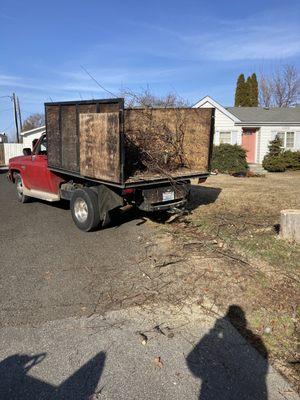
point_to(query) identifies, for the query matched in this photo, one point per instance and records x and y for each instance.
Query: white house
(29, 136)
(254, 127)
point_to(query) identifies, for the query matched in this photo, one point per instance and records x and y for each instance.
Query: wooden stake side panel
(197, 137)
(100, 145)
(53, 136)
(69, 137)
(194, 122)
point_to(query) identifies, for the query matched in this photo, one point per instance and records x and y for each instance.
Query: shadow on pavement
(15, 383)
(229, 369)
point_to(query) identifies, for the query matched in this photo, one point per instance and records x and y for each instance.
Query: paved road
(49, 269)
(104, 358)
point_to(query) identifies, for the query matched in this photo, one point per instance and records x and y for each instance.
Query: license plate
(168, 196)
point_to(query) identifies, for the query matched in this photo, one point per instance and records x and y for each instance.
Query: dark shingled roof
(265, 115)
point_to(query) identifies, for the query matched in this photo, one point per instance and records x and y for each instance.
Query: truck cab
(32, 176)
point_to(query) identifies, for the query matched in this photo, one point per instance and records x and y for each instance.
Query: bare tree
(33, 121)
(265, 91)
(146, 99)
(286, 86)
(282, 89)
(155, 139)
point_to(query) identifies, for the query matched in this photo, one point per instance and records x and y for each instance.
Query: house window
(281, 136)
(290, 140)
(287, 139)
(225, 137)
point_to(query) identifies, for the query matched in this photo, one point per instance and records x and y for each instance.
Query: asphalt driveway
(49, 269)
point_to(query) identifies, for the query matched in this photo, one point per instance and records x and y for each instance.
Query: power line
(102, 87)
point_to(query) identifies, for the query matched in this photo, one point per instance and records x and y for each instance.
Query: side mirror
(27, 151)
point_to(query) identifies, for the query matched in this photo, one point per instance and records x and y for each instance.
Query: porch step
(257, 169)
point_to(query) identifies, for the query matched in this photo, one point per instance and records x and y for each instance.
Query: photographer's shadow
(230, 360)
(17, 383)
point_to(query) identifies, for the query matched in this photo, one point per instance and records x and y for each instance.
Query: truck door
(37, 172)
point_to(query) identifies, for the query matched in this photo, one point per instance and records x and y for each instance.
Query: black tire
(21, 197)
(85, 209)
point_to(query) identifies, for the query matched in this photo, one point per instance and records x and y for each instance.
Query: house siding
(224, 123)
(28, 138)
(267, 133)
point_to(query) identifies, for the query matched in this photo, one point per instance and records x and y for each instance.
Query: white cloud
(266, 36)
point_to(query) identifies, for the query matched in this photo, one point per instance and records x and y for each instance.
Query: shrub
(229, 159)
(291, 159)
(278, 160)
(274, 163)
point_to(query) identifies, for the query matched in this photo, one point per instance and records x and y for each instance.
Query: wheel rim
(19, 188)
(80, 209)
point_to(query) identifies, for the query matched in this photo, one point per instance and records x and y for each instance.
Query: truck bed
(89, 139)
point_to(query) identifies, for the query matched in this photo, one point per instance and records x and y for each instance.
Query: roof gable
(34, 130)
(218, 106)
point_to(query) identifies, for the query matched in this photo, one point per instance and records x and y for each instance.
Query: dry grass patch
(234, 231)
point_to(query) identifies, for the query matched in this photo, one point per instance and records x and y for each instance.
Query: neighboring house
(254, 127)
(29, 136)
(3, 137)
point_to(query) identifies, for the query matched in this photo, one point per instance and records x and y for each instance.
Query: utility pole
(19, 113)
(16, 116)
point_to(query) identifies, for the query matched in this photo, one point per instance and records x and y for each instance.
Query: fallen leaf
(158, 362)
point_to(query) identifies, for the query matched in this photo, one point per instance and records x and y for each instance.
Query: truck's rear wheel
(85, 209)
(22, 198)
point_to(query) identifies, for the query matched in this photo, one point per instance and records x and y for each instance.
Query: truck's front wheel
(85, 210)
(22, 198)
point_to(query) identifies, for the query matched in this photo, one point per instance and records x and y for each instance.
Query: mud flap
(108, 200)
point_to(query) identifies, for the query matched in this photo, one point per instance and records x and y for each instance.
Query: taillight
(127, 191)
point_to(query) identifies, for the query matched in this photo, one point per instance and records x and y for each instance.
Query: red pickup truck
(77, 160)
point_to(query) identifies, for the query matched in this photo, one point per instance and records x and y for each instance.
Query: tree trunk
(290, 225)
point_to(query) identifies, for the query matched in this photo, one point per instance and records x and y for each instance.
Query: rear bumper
(165, 206)
(154, 199)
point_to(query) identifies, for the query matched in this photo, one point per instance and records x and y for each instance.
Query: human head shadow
(230, 360)
(17, 383)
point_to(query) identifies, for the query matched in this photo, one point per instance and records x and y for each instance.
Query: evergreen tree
(253, 92)
(274, 160)
(246, 93)
(247, 100)
(240, 91)
(275, 147)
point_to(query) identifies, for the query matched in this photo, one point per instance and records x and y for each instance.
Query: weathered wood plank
(53, 136)
(69, 138)
(100, 145)
(191, 124)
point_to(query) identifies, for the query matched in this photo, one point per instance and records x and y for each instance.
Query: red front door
(249, 143)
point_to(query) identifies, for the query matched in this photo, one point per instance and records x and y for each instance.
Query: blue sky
(191, 47)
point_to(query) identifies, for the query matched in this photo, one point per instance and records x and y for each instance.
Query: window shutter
(297, 141)
(234, 137)
(217, 138)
